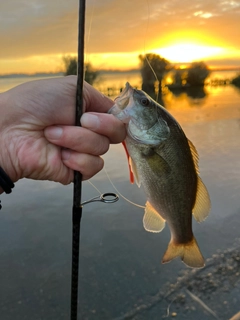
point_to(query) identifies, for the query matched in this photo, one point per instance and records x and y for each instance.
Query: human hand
(38, 138)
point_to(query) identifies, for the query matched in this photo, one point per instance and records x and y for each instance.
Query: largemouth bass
(165, 162)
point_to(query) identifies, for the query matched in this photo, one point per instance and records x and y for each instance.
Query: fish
(165, 162)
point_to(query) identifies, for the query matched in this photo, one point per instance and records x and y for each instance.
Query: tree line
(70, 68)
(153, 69)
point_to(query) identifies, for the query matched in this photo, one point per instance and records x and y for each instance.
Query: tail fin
(189, 253)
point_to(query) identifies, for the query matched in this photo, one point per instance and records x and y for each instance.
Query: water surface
(121, 276)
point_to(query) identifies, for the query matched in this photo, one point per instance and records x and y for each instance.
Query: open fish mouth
(123, 100)
(123, 103)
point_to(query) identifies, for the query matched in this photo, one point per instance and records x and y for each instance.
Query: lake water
(110, 80)
(121, 276)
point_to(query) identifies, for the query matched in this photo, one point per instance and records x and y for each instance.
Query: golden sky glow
(36, 34)
(188, 52)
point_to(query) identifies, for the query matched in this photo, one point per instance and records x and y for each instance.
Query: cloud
(43, 27)
(202, 14)
(36, 27)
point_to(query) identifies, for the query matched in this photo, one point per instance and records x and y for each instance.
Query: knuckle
(91, 164)
(99, 163)
(92, 167)
(102, 146)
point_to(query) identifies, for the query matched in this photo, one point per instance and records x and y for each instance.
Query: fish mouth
(123, 100)
(123, 104)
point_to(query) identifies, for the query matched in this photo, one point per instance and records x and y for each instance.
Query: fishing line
(156, 87)
(89, 31)
(94, 187)
(126, 199)
(144, 50)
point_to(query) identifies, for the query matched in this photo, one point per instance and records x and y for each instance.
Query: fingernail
(65, 154)
(89, 121)
(53, 133)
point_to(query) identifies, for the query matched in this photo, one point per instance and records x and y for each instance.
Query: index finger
(104, 124)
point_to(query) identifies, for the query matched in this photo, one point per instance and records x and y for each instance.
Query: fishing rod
(77, 189)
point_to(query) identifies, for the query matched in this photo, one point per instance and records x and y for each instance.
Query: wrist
(5, 137)
(5, 182)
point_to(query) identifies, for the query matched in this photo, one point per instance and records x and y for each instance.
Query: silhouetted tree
(152, 66)
(196, 92)
(197, 73)
(70, 64)
(90, 74)
(236, 81)
(179, 78)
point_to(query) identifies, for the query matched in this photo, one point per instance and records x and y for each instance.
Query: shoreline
(130, 71)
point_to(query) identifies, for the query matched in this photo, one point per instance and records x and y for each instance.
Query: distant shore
(60, 74)
(34, 75)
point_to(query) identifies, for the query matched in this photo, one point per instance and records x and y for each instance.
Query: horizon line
(61, 73)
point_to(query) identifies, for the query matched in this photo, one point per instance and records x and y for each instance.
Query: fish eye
(145, 102)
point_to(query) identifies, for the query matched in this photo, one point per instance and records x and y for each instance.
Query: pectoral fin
(152, 221)
(202, 204)
(157, 163)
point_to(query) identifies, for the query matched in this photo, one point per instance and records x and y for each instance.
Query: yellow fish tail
(189, 253)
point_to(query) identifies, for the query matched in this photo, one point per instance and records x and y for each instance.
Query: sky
(36, 34)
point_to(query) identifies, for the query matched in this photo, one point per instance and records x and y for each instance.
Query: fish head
(143, 117)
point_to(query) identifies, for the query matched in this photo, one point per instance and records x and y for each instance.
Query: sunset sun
(188, 52)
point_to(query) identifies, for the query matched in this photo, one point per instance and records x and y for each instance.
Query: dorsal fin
(152, 221)
(202, 204)
(194, 155)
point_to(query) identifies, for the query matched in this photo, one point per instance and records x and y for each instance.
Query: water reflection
(195, 95)
(197, 92)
